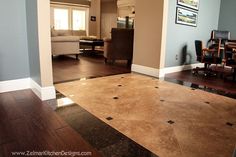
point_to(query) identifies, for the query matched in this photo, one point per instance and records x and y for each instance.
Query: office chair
(206, 56)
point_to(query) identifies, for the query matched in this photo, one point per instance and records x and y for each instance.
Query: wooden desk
(231, 46)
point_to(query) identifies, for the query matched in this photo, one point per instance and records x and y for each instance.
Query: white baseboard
(13, 85)
(145, 70)
(182, 68)
(159, 73)
(47, 93)
(44, 93)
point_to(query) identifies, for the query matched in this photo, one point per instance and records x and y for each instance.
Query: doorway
(78, 61)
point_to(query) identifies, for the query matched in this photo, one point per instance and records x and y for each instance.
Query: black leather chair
(206, 56)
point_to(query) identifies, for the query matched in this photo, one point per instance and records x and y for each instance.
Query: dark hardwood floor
(90, 65)
(27, 124)
(212, 82)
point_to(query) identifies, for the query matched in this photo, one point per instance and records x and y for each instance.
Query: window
(69, 18)
(61, 19)
(79, 20)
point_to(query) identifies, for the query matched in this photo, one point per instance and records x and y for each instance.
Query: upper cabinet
(126, 8)
(125, 3)
(81, 2)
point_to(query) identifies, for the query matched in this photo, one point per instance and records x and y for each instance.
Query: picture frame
(186, 17)
(93, 18)
(193, 4)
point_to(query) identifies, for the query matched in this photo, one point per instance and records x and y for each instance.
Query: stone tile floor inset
(199, 128)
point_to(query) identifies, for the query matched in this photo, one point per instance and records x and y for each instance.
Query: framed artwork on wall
(93, 18)
(186, 17)
(193, 4)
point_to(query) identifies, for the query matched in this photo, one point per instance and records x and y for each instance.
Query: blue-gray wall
(14, 61)
(227, 19)
(33, 47)
(180, 38)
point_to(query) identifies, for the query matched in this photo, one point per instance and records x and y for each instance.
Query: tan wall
(149, 37)
(44, 42)
(108, 17)
(95, 26)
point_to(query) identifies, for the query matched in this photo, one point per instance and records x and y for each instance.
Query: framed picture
(93, 18)
(186, 17)
(193, 4)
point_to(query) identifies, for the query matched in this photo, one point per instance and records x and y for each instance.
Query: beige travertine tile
(155, 136)
(200, 118)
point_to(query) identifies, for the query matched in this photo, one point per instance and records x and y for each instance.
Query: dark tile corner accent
(109, 118)
(170, 122)
(115, 97)
(229, 124)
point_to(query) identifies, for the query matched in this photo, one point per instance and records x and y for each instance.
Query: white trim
(13, 85)
(145, 70)
(44, 93)
(159, 73)
(182, 68)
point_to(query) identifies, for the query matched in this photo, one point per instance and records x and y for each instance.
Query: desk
(231, 60)
(231, 46)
